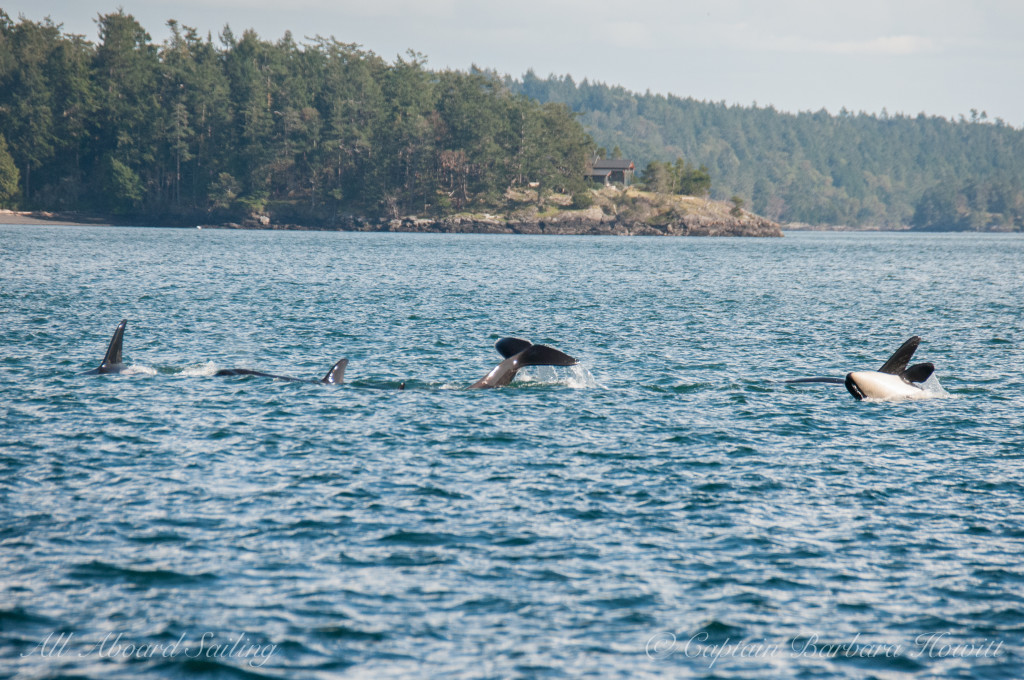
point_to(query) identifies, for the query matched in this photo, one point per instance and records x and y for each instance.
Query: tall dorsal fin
(901, 357)
(113, 355)
(509, 347)
(336, 375)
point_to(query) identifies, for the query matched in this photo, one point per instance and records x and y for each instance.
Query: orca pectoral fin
(918, 373)
(336, 375)
(542, 355)
(833, 381)
(509, 347)
(901, 357)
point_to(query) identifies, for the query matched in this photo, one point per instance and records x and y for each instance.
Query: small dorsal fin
(918, 373)
(336, 375)
(509, 347)
(901, 357)
(113, 355)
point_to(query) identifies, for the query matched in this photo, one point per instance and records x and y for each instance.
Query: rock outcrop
(564, 224)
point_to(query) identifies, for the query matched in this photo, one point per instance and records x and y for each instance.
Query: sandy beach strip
(44, 218)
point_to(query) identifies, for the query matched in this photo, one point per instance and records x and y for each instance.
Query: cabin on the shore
(612, 171)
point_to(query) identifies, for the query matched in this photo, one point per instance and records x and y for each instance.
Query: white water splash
(138, 369)
(932, 387)
(200, 370)
(575, 377)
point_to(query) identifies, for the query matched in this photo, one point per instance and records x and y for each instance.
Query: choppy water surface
(664, 510)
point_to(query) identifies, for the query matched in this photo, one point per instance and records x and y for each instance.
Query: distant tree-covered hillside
(194, 127)
(845, 169)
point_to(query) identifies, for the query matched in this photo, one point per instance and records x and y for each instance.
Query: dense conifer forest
(218, 127)
(846, 169)
(204, 127)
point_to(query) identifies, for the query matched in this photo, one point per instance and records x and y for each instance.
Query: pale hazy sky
(942, 57)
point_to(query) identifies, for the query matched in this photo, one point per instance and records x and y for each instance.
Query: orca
(335, 376)
(112, 359)
(893, 381)
(519, 353)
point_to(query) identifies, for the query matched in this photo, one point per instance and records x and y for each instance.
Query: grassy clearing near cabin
(608, 203)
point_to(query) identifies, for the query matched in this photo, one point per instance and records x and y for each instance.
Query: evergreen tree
(9, 175)
(810, 167)
(250, 68)
(127, 122)
(322, 130)
(26, 105)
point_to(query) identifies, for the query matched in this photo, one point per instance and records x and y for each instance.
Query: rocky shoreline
(566, 224)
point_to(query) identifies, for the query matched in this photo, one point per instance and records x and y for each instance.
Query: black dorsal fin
(901, 357)
(113, 355)
(918, 373)
(336, 375)
(509, 347)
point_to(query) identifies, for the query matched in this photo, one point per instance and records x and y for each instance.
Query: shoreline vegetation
(830, 171)
(250, 134)
(242, 132)
(615, 212)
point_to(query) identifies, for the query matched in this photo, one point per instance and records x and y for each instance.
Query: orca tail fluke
(528, 354)
(509, 347)
(918, 373)
(901, 357)
(336, 375)
(542, 355)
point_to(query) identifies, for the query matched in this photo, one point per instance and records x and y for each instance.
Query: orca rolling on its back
(518, 354)
(112, 359)
(892, 382)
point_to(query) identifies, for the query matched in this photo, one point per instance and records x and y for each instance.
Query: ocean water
(668, 508)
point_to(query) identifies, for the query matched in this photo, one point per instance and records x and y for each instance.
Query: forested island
(241, 131)
(193, 131)
(858, 170)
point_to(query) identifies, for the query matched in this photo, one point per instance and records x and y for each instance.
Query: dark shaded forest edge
(242, 132)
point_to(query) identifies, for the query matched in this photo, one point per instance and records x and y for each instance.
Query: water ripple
(639, 515)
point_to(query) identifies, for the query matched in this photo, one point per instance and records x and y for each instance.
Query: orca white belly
(885, 386)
